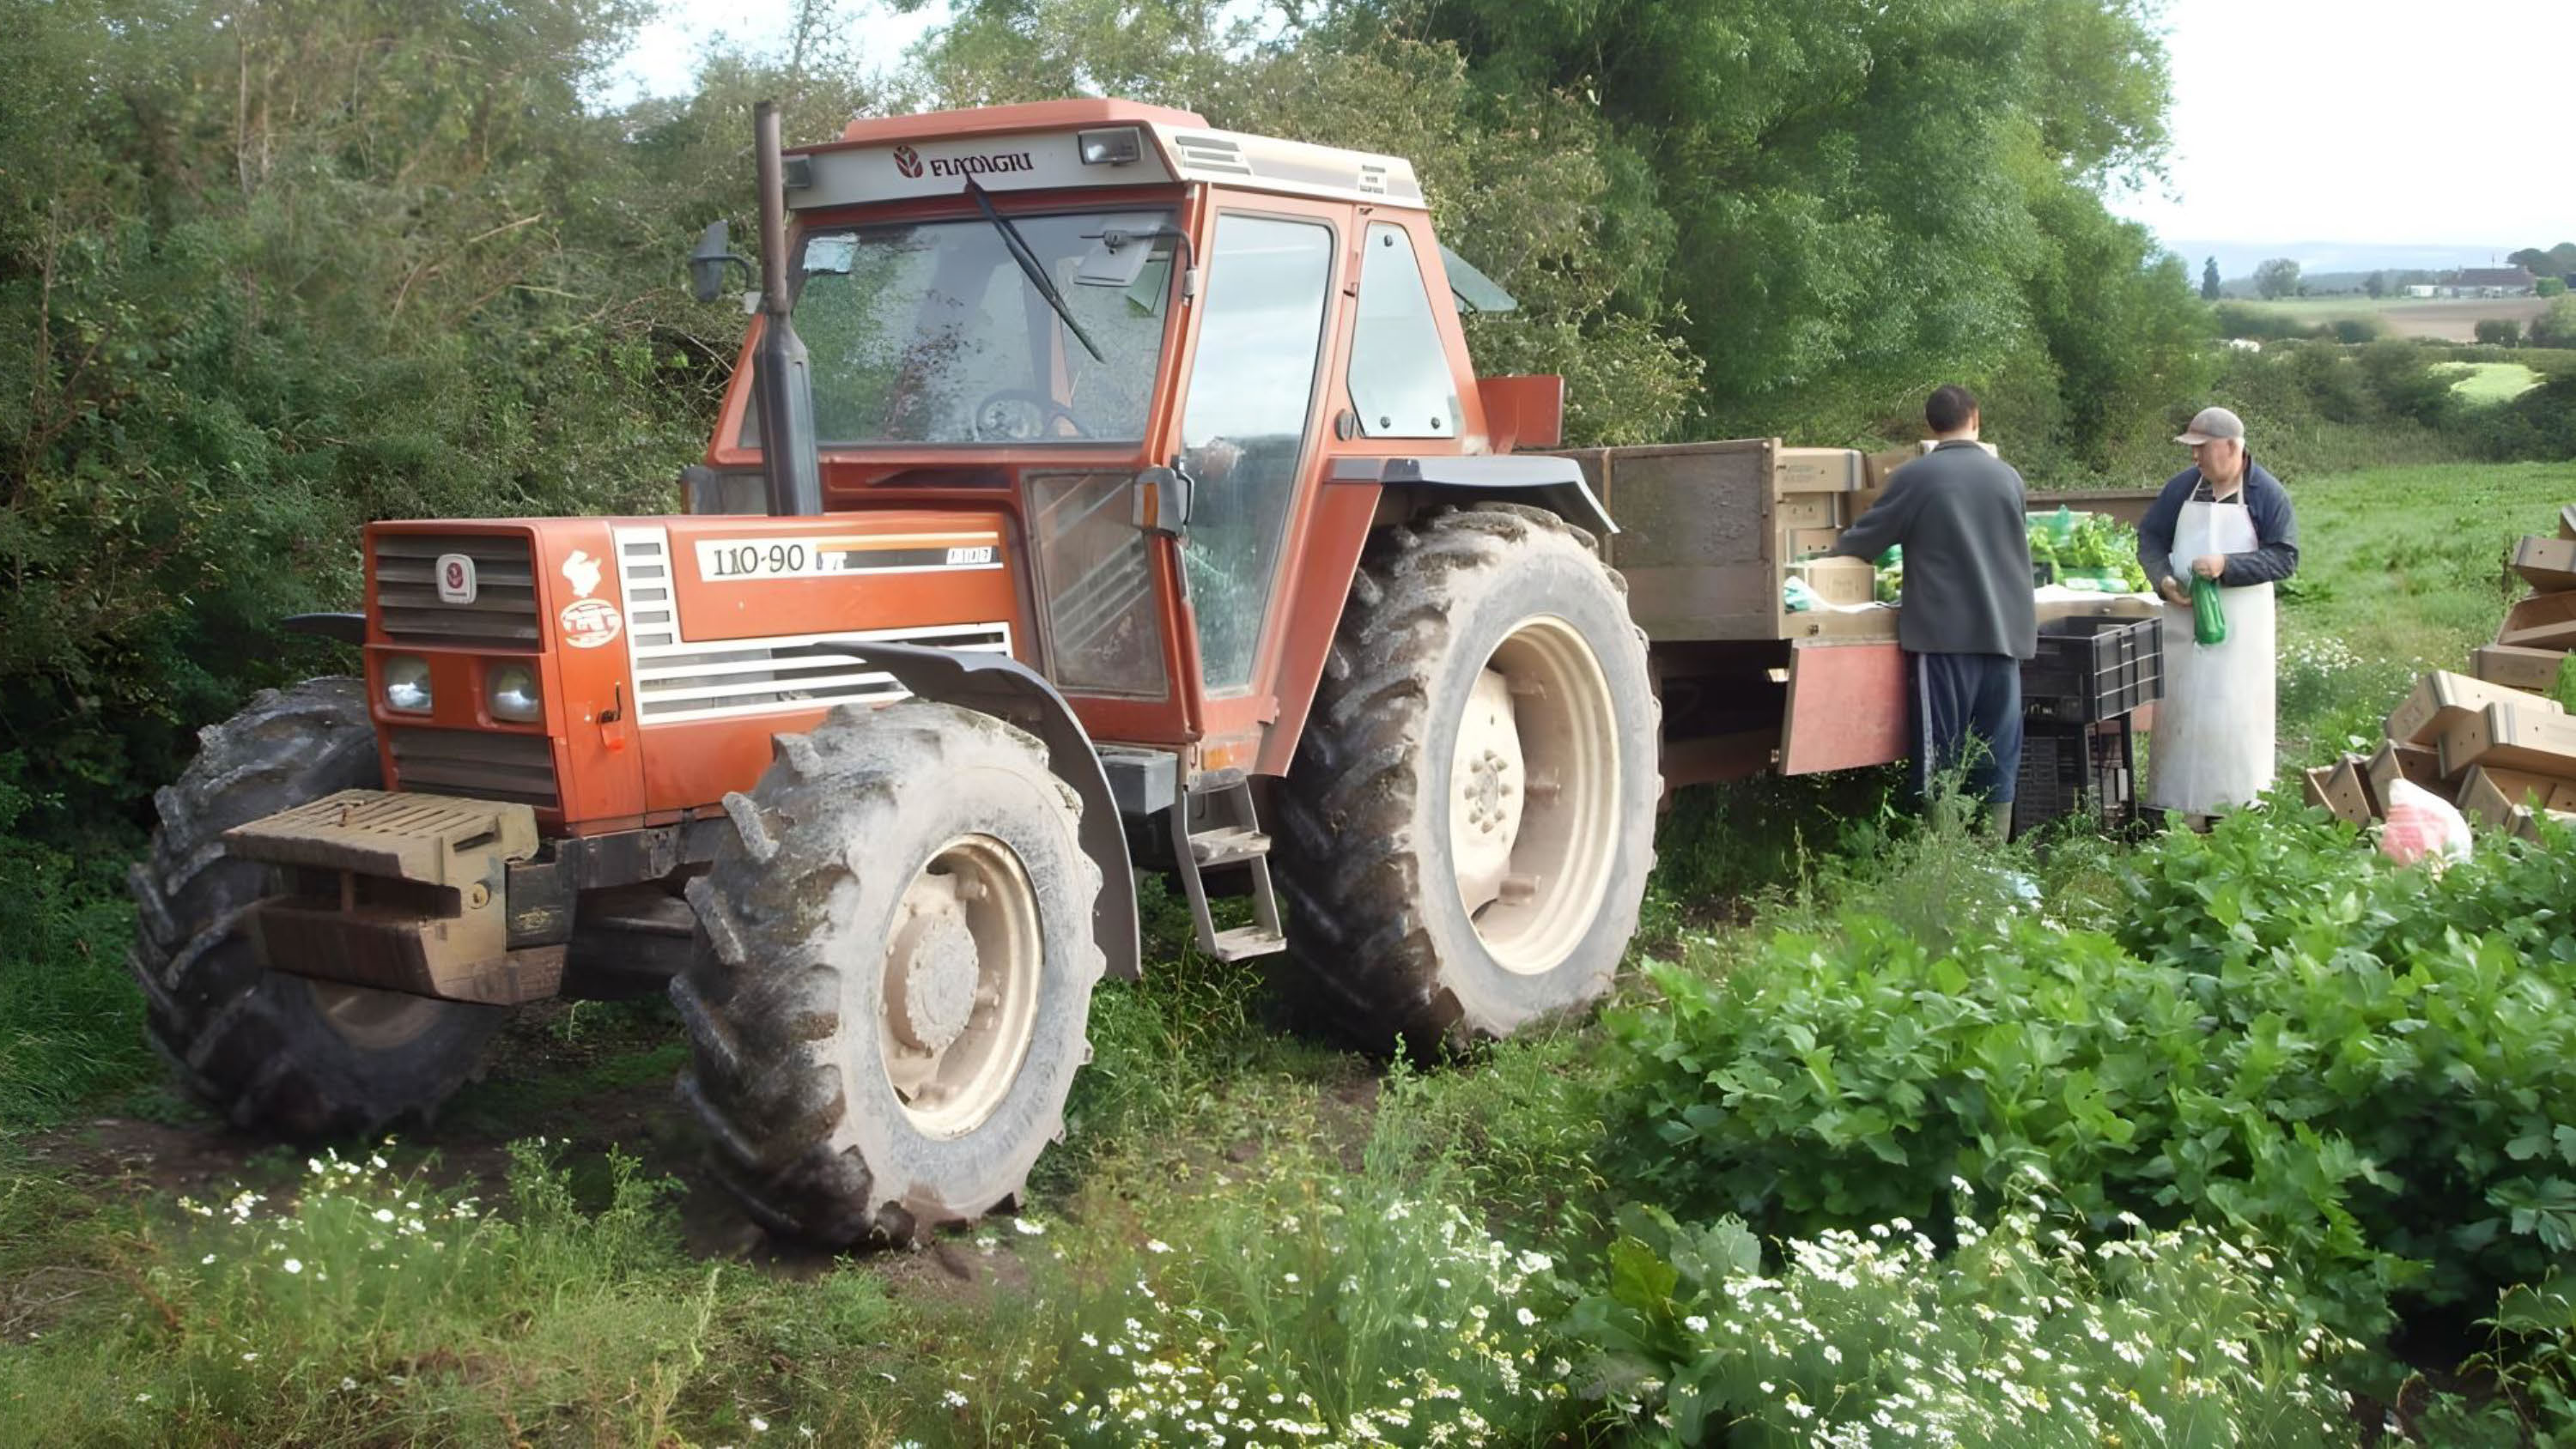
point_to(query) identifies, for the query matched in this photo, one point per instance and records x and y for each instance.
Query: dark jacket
(2276, 529)
(1959, 512)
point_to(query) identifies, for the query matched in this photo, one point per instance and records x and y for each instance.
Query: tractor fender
(1006, 689)
(1555, 484)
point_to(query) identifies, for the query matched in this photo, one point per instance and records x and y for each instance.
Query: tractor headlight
(406, 678)
(510, 692)
(1124, 146)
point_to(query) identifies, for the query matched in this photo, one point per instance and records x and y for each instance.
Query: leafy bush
(2549, 287)
(2500, 331)
(2025, 1335)
(2363, 1065)
(2557, 326)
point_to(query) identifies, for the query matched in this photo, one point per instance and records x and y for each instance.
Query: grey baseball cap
(2210, 425)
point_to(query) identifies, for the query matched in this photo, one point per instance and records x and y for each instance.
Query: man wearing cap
(1966, 619)
(2227, 520)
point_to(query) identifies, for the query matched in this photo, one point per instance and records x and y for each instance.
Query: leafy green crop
(2090, 547)
(2363, 1065)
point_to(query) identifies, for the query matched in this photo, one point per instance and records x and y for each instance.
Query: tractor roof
(1042, 147)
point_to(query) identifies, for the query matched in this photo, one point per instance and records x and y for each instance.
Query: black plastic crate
(2077, 769)
(2093, 667)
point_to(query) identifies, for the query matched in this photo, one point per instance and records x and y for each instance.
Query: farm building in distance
(2492, 282)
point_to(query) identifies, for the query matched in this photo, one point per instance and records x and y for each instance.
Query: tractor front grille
(477, 764)
(503, 614)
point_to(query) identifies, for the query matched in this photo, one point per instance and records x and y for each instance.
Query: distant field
(2452, 321)
(2494, 382)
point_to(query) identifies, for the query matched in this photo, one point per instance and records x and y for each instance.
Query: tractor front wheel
(287, 1054)
(1469, 822)
(892, 983)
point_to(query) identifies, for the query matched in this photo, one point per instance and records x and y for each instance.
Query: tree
(2499, 331)
(2209, 285)
(2376, 284)
(2277, 278)
(2557, 326)
(2531, 259)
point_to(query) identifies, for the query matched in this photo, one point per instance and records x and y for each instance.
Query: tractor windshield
(933, 332)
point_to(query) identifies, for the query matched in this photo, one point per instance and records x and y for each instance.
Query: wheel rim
(959, 1004)
(1533, 809)
(369, 1019)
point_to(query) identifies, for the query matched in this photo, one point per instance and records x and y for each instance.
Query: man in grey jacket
(1967, 618)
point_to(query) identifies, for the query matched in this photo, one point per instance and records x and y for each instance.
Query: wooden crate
(2441, 700)
(2547, 564)
(2493, 795)
(2543, 621)
(2518, 668)
(1705, 531)
(2394, 762)
(2513, 737)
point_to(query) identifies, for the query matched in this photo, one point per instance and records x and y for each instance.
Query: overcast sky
(2373, 121)
(2367, 121)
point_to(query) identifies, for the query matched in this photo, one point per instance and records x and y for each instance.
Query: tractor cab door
(1249, 426)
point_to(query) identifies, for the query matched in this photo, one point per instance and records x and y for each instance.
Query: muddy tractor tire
(303, 1058)
(891, 988)
(1466, 830)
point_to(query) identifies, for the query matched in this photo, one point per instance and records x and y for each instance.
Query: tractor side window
(1252, 389)
(1400, 378)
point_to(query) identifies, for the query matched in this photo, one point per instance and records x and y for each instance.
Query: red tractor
(1101, 492)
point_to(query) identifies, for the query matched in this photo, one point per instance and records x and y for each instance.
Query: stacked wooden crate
(2493, 741)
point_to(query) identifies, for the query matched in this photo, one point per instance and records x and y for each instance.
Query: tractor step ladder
(1214, 829)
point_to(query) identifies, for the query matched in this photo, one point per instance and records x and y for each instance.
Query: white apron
(2213, 739)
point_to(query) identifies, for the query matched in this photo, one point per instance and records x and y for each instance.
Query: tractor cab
(1157, 351)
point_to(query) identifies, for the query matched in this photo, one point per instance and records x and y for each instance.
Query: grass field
(2400, 570)
(2488, 383)
(2450, 320)
(1240, 1222)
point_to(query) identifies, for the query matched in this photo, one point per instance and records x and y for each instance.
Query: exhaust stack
(782, 375)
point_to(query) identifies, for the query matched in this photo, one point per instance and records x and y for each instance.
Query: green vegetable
(2208, 621)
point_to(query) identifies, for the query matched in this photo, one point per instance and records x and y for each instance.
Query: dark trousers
(1967, 708)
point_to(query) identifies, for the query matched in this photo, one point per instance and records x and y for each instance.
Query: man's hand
(2210, 566)
(2173, 591)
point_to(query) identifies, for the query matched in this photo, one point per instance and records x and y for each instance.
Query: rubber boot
(1999, 822)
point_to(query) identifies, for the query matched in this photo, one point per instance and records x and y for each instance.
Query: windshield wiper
(1029, 267)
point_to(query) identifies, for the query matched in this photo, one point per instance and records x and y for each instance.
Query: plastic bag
(2208, 620)
(1796, 597)
(2422, 825)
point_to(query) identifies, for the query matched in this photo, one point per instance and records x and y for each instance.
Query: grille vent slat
(479, 764)
(503, 614)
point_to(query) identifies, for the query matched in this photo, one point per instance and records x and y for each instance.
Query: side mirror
(1163, 497)
(707, 262)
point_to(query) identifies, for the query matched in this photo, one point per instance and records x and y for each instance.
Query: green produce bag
(2208, 621)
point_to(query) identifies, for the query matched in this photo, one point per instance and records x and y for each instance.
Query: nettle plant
(2365, 1066)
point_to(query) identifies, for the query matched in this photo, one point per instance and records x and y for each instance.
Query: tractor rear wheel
(892, 983)
(289, 1054)
(1468, 825)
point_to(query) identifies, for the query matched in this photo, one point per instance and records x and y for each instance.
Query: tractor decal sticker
(456, 578)
(589, 623)
(582, 572)
(724, 561)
